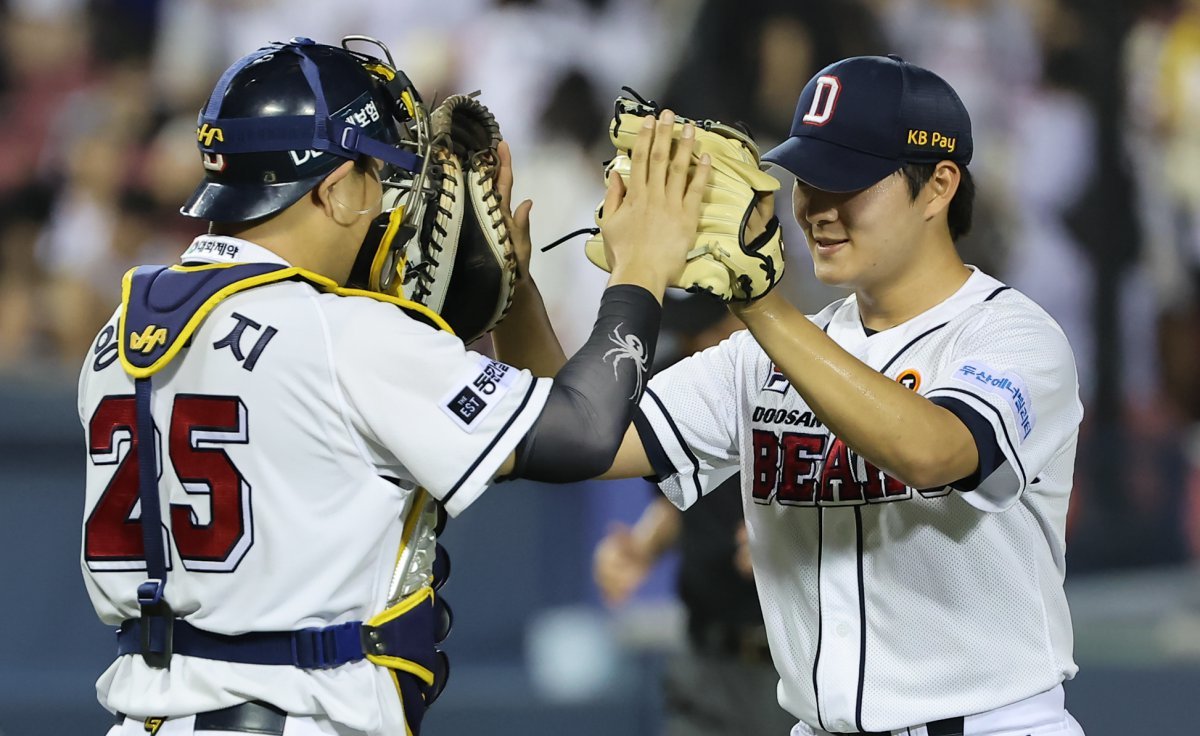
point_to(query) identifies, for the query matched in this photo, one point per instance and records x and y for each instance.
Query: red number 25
(214, 532)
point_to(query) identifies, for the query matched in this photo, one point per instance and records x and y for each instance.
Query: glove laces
(568, 236)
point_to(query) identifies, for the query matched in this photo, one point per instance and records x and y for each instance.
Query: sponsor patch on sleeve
(471, 399)
(1005, 384)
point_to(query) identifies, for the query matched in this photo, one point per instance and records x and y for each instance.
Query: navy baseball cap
(860, 119)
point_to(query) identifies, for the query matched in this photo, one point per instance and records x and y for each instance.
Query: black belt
(254, 717)
(746, 643)
(945, 727)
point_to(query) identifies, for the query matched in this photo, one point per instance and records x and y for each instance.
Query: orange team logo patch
(909, 379)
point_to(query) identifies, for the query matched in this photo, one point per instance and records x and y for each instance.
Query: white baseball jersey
(887, 606)
(279, 426)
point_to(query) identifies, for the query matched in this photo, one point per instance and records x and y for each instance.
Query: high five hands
(650, 225)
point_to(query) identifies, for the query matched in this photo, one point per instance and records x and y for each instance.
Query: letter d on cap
(824, 100)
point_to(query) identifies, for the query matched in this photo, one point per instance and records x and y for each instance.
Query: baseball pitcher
(906, 455)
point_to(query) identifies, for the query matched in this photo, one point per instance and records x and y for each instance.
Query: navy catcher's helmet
(282, 118)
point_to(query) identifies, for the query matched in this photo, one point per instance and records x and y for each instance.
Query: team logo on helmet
(213, 161)
(206, 133)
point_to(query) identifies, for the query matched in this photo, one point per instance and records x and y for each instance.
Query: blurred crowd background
(1086, 121)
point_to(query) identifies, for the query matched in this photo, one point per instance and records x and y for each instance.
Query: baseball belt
(253, 717)
(401, 639)
(405, 636)
(746, 643)
(945, 727)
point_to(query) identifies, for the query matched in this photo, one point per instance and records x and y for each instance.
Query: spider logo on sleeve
(628, 346)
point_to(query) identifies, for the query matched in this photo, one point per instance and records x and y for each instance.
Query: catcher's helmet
(285, 116)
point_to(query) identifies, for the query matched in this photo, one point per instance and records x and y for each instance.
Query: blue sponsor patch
(1005, 384)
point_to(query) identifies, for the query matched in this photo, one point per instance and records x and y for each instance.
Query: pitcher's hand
(650, 227)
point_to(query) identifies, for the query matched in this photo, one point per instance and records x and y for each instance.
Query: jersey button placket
(837, 668)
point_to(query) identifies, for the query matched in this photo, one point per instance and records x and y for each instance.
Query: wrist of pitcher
(650, 276)
(764, 308)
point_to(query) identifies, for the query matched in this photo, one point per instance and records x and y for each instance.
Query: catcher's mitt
(461, 264)
(722, 261)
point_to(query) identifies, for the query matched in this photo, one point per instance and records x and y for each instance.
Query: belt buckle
(308, 649)
(326, 647)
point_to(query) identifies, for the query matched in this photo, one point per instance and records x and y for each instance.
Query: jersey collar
(975, 289)
(226, 249)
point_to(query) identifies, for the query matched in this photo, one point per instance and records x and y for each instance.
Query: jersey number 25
(199, 426)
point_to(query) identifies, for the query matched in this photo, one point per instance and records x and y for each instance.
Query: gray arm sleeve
(594, 396)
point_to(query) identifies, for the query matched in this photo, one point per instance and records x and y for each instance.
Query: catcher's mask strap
(213, 108)
(292, 132)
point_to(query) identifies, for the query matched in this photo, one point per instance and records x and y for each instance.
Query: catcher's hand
(737, 202)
